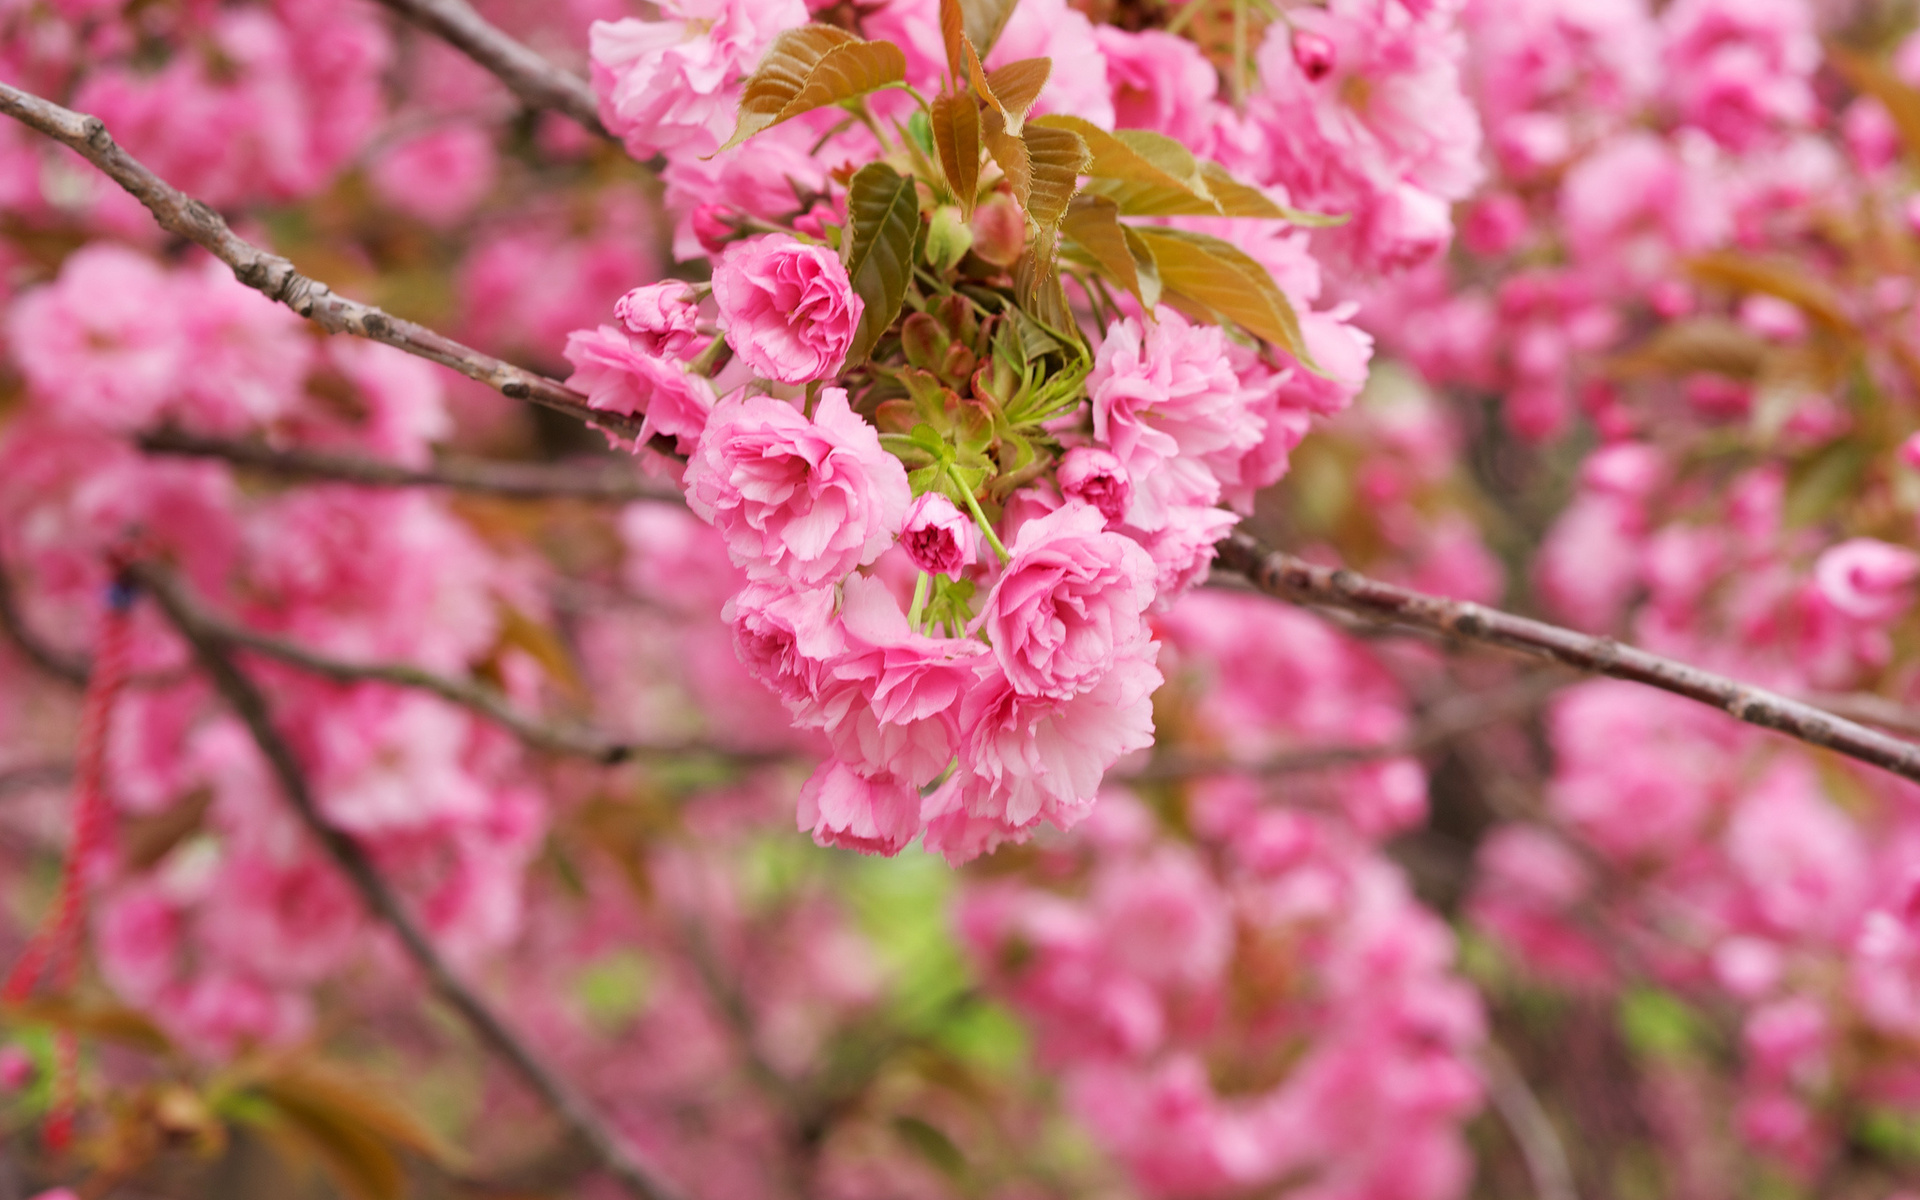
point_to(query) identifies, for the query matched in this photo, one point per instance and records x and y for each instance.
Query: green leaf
(883, 219)
(1144, 174)
(1236, 199)
(812, 67)
(956, 135)
(1213, 280)
(931, 1144)
(1055, 157)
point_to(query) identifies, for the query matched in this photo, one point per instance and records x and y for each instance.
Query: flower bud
(999, 231)
(1096, 477)
(938, 537)
(948, 239)
(661, 317)
(1313, 54)
(711, 226)
(1867, 579)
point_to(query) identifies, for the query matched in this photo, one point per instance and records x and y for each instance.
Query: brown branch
(214, 651)
(1295, 579)
(57, 663)
(536, 81)
(1532, 1128)
(615, 484)
(30, 776)
(557, 739)
(275, 277)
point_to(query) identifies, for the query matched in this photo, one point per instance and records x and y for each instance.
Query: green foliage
(883, 220)
(1658, 1024)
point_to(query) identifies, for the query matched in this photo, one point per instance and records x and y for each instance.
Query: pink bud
(712, 226)
(16, 1068)
(815, 220)
(1867, 579)
(1313, 53)
(938, 537)
(1910, 451)
(1096, 477)
(661, 316)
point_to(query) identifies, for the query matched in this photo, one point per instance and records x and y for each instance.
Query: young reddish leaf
(1093, 224)
(1056, 158)
(1016, 86)
(883, 219)
(1236, 199)
(1213, 280)
(985, 19)
(1779, 277)
(953, 33)
(1010, 152)
(809, 68)
(955, 121)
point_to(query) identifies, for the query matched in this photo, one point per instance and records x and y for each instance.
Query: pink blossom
(1068, 605)
(621, 376)
(662, 317)
(788, 308)
(939, 537)
(1741, 69)
(16, 1068)
(439, 176)
(105, 338)
(1866, 579)
(1160, 82)
(787, 639)
(807, 500)
(874, 816)
(1097, 477)
(1055, 29)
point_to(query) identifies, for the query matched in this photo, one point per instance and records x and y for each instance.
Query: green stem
(1187, 13)
(980, 518)
(813, 397)
(921, 586)
(709, 358)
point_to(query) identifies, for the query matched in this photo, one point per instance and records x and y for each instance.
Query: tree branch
(527, 481)
(536, 81)
(274, 277)
(1295, 579)
(213, 649)
(557, 739)
(1532, 1128)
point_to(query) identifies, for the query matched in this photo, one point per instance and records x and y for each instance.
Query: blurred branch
(558, 739)
(536, 81)
(531, 481)
(34, 775)
(214, 649)
(1869, 709)
(56, 663)
(1295, 579)
(1532, 1128)
(275, 277)
(1444, 722)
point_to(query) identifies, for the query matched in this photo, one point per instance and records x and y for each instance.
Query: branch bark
(557, 739)
(275, 277)
(214, 650)
(527, 481)
(1295, 579)
(536, 81)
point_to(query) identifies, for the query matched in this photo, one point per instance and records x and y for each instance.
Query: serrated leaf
(1013, 88)
(956, 135)
(1056, 158)
(1143, 175)
(1218, 280)
(811, 67)
(953, 32)
(1010, 152)
(1236, 199)
(984, 21)
(1093, 224)
(883, 220)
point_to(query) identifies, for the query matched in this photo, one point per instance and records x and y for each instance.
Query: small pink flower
(939, 538)
(1069, 603)
(841, 807)
(439, 176)
(620, 377)
(1096, 477)
(805, 500)
(789, 309)
(1867, 579)
(16, 1068)
(662, 317)
(1313, 53)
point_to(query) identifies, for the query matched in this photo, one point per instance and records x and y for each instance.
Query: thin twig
(536, 81)
(1532, 1128)
(1291, 578)
(558, 739)
(275, 277)
(30, 776)
(615, 484)
(57, 663)
(214, 651)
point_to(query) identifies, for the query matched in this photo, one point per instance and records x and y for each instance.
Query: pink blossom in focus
(621, 377)
(939, 537)
(788, 308)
